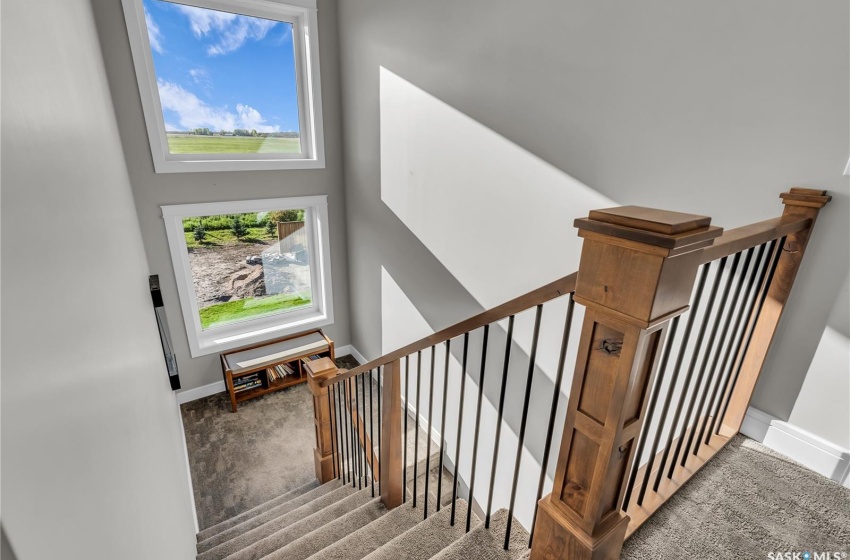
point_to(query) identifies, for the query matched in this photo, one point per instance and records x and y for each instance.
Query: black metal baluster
(366, 465)
(762, 298)
(380, 420)
(725, 342)
(354, 435)
(338, 428)
(650, 411)
(508, 345)
(346, 424)
(694, 358)
(406, 413)
(356, 418)
(730, 279)
(416, 425)
(669, 399)
(371, 431)
(348, 433)
(459, 427)
(523, 422)
(556, 395)
(443, 425)
(428, 434)
(477, 424)
(333, 451)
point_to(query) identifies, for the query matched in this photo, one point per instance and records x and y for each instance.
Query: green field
(251, 308)
(191, 144)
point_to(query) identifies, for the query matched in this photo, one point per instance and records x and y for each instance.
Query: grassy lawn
(219, 237)
(228, 312)
(191, 144)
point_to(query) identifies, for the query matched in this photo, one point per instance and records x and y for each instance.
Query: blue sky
(222, 71)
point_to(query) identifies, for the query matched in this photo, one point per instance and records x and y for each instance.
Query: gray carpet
(240, 461)
(746, 502)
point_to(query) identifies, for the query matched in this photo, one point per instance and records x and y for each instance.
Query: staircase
(675, 321)
(348, 521)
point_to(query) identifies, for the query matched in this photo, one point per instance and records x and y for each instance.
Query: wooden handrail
(729, 243)
(752, 235)
(553, 290)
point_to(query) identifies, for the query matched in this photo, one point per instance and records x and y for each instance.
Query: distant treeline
(237, 132)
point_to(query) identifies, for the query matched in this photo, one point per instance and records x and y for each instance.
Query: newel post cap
(670, 233)
(319, 370)
(639, 264)
(799, 196)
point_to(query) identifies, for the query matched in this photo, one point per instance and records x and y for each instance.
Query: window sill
(189, 166)
(215, 345)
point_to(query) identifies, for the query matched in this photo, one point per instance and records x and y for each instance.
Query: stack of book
(309, 359)
(246, 383)
(279, 372)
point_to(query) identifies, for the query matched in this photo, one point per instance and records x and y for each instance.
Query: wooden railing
(679, 317)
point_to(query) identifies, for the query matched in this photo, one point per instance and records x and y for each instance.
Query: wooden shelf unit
(259, 358)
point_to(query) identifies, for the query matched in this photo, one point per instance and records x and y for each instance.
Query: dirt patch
(222, 273)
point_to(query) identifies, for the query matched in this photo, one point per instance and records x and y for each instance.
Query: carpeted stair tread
(243, 538)
(313, 542)
(487, 544)
(279, 539)
(262, 513)
(367, 539)
(426, 538)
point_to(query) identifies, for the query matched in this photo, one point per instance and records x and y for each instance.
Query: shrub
(237, 226)
(199, 233)
(271, 227)
(286, 216)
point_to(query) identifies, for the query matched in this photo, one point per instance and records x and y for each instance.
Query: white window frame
(251, 331)
(302, 15)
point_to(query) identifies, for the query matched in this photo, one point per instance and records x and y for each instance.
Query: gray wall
(152, 190)
(712, 107)
(92, 459)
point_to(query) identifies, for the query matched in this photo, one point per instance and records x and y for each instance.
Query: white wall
(92, 465)
(713, 108)
(152, 190)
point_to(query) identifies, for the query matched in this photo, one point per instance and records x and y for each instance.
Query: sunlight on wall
(498, 218)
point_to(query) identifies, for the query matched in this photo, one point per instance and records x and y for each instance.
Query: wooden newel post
(638, 267)
(323, 458)
(391, 437)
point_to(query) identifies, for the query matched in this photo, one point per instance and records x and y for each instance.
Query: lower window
(250, 270)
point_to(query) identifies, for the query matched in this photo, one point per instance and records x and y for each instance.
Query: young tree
(238, 227)
(271, 227)
(198, 232)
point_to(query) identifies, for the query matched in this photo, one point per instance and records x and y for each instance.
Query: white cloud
(195, 113)
(154, 34)
(230, 31)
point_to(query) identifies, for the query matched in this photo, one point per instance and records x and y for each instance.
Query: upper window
(251, 270)
(228, 84)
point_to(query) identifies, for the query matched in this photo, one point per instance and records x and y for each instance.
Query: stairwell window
(228, 84)
(250, 271)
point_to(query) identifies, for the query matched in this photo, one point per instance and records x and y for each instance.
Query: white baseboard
(186, 462)
(189, 395)
(807, 449)
(353, 351)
